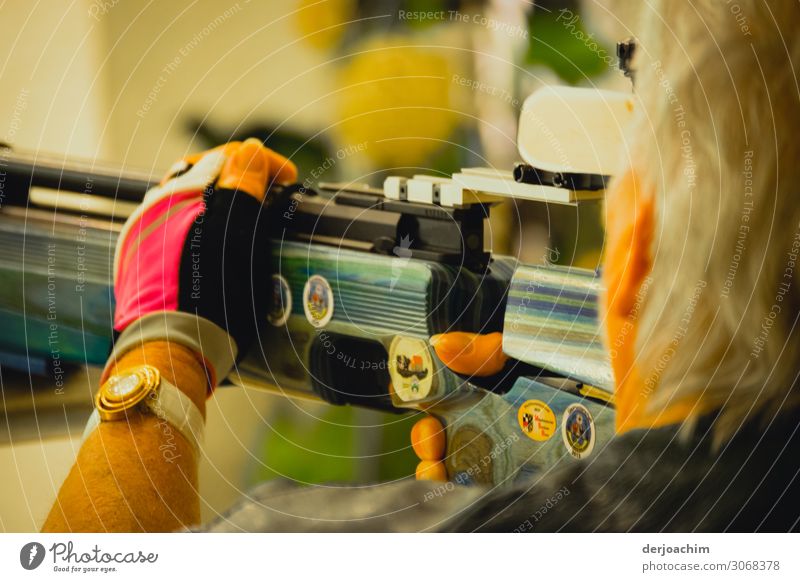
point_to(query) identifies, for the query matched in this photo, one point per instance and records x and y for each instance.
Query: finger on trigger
(247, 169)
(471, 354)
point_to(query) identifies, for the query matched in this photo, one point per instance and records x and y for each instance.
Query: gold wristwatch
(143, 388)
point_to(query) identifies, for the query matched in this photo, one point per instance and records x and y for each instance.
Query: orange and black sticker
(410, 368)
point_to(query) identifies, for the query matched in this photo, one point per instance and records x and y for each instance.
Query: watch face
(126, 390)
(122, 387)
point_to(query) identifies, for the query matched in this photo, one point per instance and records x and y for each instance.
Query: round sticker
(410, 368)
(281, 306)
(577, 430)
(536, 420)
(318, 301)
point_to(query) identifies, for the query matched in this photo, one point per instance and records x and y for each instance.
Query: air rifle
(362, 278)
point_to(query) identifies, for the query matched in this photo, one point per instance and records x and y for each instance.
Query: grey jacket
(643, 481)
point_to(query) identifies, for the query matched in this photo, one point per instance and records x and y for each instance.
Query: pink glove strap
(148, 254)
(157, 238)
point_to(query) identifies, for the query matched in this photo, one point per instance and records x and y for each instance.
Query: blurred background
(379, 87)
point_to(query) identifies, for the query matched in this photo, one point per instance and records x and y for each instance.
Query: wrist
(160, 384)
(177, 364)
(198, 334)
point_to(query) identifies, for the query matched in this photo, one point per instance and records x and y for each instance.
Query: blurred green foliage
(326, 450)
(559, 41)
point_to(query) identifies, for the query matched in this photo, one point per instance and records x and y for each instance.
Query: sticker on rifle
(536, 420)
(281, 306)
(577, 430)
(410, 368)
(318, 301)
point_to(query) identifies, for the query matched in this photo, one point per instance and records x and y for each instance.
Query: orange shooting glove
(191, 259)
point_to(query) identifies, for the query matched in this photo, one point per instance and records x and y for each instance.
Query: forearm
(139, 474)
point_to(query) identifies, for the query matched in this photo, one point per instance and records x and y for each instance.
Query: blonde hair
(717, 142)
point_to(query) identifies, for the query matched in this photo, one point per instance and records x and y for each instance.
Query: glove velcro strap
(210, 342)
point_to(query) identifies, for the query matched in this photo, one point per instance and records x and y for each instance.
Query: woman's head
(703, 264)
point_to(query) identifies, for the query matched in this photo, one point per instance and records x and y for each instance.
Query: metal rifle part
(527, 174)
(361, 218)
(25, 170)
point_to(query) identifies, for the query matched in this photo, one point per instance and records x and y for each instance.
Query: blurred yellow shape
(321, 23)
(396, 98)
